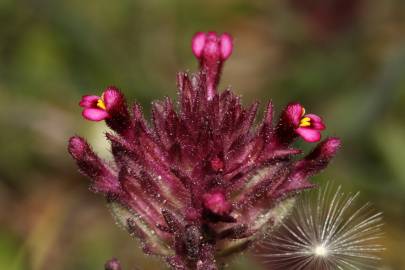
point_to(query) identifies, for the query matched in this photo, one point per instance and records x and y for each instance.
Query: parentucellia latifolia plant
(203, 180)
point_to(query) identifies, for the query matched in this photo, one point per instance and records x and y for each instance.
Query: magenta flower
(94, 108)
(203, 181)
(308, 126)
(110, 106)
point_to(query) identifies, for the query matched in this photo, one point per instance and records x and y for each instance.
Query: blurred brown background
(343, 59)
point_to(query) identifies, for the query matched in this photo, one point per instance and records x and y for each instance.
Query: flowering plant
(203, 181)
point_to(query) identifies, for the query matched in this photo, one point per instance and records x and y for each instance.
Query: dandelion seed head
(327, 230)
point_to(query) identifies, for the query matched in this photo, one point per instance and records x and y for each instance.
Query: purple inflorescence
(203, 181)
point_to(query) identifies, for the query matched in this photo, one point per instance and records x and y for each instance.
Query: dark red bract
(203, 180)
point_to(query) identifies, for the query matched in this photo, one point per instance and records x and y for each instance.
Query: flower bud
(212, 50)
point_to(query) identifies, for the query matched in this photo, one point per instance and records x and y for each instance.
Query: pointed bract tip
(325, 150)
(330, 146)
(77, 147)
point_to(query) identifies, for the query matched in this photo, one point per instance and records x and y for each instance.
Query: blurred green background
(343, 59)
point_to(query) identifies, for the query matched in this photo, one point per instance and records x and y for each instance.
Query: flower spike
(202, 181)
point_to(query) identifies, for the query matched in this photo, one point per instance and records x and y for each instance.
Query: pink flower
(308, 126)
(94, 108)
(111, 106)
